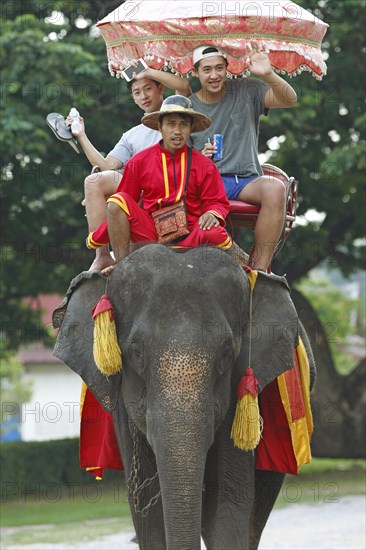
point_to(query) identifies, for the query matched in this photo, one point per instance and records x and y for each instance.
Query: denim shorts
(234, 184)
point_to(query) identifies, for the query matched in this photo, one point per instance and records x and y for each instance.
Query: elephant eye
(135, 351)
(226, 357)
(134, 357)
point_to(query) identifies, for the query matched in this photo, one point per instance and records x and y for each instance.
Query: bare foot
(102, 262)
(108, 270)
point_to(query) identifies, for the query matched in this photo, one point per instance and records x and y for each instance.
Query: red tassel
(103, 305)
(248, 384)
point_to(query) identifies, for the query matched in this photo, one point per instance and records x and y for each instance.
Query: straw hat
(179, 105)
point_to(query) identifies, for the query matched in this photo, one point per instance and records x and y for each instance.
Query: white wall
(54, 409)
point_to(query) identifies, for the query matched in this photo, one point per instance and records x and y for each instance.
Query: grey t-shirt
(236, 117)
(135, 140)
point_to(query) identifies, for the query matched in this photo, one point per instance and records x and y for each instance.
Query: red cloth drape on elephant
(98, 442)
(287, 419)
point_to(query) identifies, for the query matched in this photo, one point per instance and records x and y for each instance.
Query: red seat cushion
(240, 207)
(244, 214)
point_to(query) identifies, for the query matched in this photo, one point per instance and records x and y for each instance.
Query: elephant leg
(267, 487)
(228, 495)
(149, 527)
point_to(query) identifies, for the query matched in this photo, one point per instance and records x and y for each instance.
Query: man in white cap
(160, 174)
(234, 107)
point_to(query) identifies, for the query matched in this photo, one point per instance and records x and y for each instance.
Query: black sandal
(63, 132)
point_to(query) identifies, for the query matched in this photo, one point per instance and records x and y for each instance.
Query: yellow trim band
(166, 180)
(182, 177)
(117, 199)
(90, 243)
(217, 215)
(226, 244)
(302, 428)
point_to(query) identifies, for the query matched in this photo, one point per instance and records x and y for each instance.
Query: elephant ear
(275, 328)
(74, 344)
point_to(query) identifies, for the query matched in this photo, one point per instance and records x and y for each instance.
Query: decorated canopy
(165, 33)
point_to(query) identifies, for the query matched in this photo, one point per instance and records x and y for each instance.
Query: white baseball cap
(202, 52)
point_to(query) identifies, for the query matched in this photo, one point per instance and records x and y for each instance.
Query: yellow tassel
(106, 350)
(248, 424)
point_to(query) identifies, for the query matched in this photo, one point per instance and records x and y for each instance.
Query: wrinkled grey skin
(182, 322)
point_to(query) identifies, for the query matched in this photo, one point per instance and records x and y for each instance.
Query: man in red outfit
(159, 174)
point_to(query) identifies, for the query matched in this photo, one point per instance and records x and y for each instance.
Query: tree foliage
(49, 66)
(335, 311)
(324, 146)
(53, 59)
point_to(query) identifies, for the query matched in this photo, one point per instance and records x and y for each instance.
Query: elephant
(182, 325)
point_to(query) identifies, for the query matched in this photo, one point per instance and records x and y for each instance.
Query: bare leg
(270, 194)
(98, 187)
(119, 234)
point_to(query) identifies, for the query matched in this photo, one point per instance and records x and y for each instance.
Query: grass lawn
(92, 501)
(97, 510)
(67, 515)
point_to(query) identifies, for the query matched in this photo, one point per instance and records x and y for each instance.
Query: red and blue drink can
(218, 141)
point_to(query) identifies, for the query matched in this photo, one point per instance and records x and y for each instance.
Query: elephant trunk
(180, 459)
(180, 431)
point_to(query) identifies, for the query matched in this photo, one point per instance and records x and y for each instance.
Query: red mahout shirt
(158, 177)
(161, 176)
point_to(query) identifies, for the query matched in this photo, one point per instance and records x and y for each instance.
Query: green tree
(335, 311)
(49, 65)
(324, 147)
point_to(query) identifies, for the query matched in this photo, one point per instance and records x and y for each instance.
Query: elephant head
(182, 322)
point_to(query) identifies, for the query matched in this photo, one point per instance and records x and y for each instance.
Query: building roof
(45, 303)
(37, 353)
